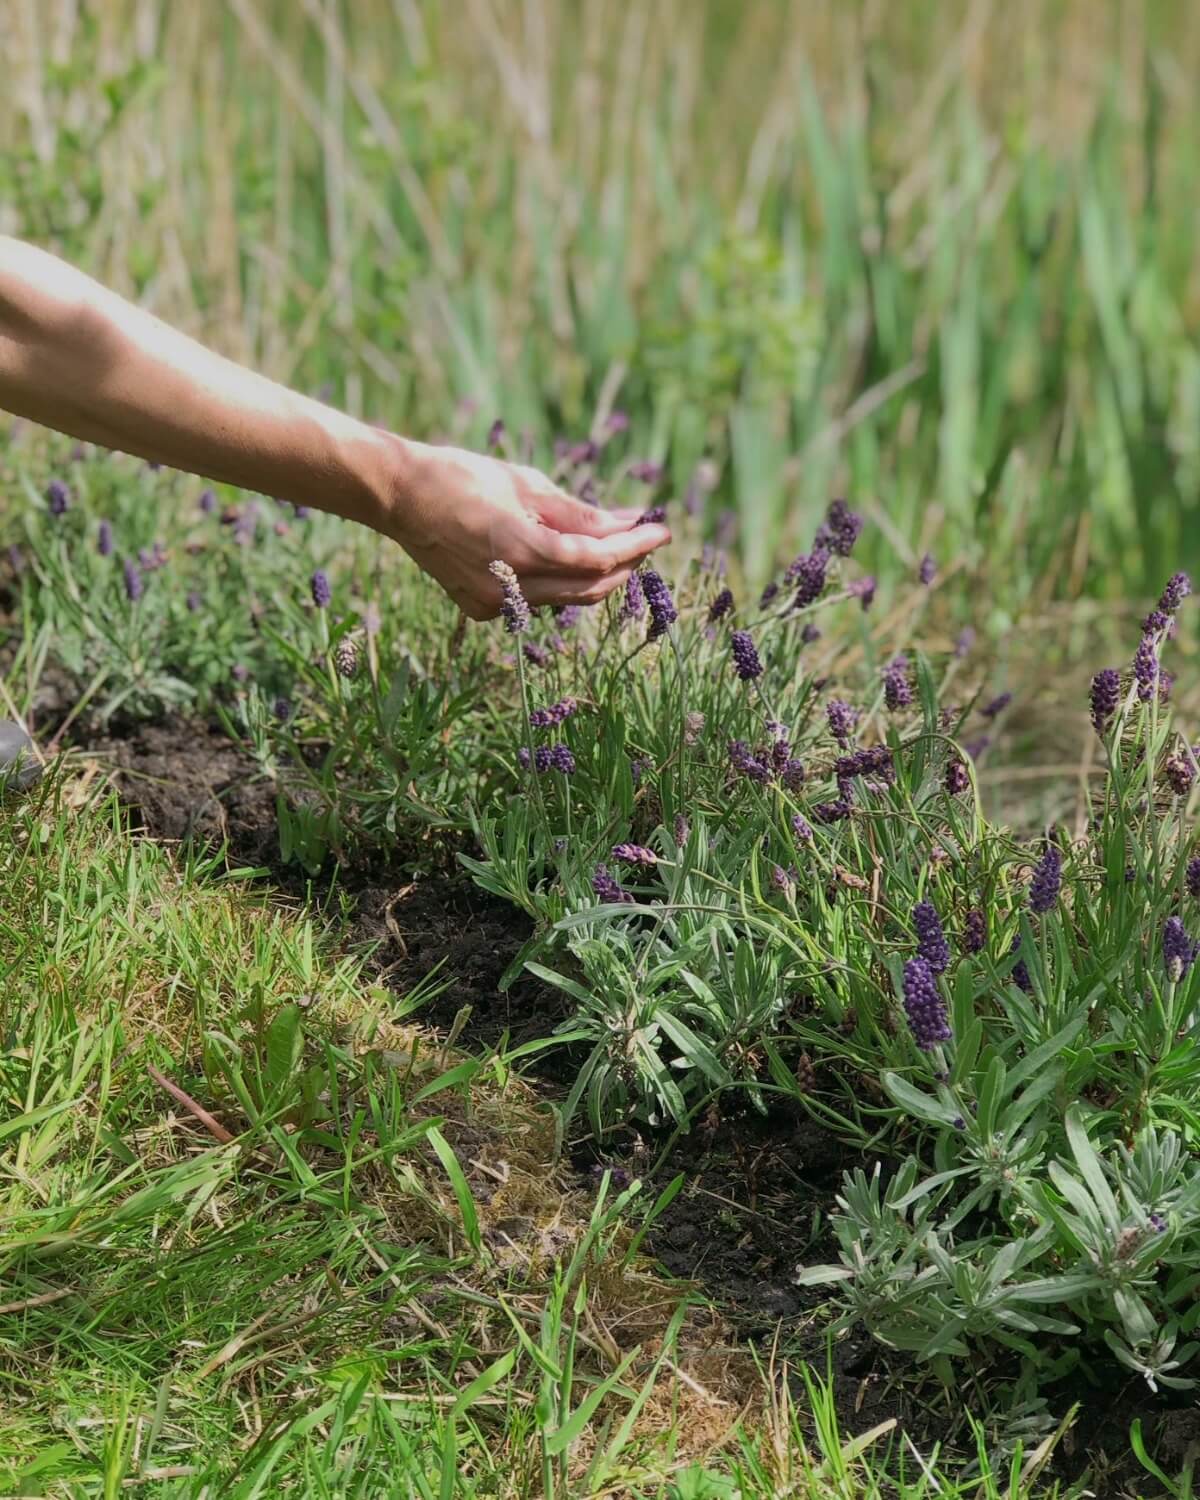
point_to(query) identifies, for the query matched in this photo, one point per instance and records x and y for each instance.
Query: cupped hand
(458, 511)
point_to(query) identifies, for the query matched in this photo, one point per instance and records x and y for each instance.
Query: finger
(557, 552)
(550, 590)
(561, 513)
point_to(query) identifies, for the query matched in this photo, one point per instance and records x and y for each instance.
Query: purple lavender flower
(321, 592)
(104, 539)
(974, 931)
(897, 688)
(655, 516)
(1020, 973)
(807, 572)
(192, 601)
(302, 512)
(662, 607)
(1179, 952)
(134, 586)
(770, 592)
(638, 766)
(496, 433)
(875, 762)
(545, 718)
(781, 879)
(966, 639)
(634, 603)
(561, 759)
(802, 828)
(863, 589)
(931, 940)
(512, 602)
(842, 718)
(635, 854)
(58, 498)
(282, 709)
(567, 616)
(746, 661)
(1192, 877)
(607, 888)
(1157, 1223)
(834, 812)
(618, 421)
(958, 779)
(1105, 696)
(747, 763)
(535, 655)
(997, 706)
(792, 773)
(927, 572)
(1180, 774)
(1145, 668)
(975, 748)
(840, 530)
(645, 472)
(682, 830)
(720, 606)
(240, 672)
(810, 633)
(923, 1005)
(1047, 881)
(1179, 586)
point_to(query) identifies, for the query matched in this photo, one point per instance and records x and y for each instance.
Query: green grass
(319, 1305)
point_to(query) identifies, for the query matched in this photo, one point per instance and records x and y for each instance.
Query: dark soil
(757, 1191)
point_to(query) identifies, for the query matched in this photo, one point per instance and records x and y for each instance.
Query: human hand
(455, 512)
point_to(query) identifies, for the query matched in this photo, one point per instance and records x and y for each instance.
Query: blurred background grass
(941, 256)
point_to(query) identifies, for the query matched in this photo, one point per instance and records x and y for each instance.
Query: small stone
(19, 765)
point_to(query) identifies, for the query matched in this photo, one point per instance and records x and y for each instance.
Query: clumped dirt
(757, 1190)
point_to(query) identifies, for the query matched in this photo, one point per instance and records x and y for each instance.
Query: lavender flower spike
(931, 940)
(1179, 952)
(746, 661)
(1192, 877)
(134, 586)
(1047, 881)
(974, 931)
(1105, 696)
(512, 604)
(104, 539)
(1179, 586)
(321, 592)
(607, 888)
(58, 498)
(1145, 668)
(897, 689)
(842, 718)
(924, 1006)
(662, 607)
(635, 854)
(634, 604)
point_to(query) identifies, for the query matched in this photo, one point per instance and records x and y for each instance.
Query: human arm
(77, 357)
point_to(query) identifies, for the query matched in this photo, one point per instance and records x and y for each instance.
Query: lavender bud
(931, 940)
(682, 830)
(808, 575)
(321, 592)
(863, 589)
(535, 655)
(561, 759)
(840, 530)
(1176, 591)
(996, 706)
(958, 779)
(207, 502)
(104, 539)
(634, 603)
(662, 607)
(58, 498)
(720, 606)
(1192, 877)
(495, 434)
(802, 828)
(897, 689)
(966, 639)
(1180, 774)
(1145, 668)
(134, 586)
(345, 657)
(282, 709)
(1020, 973)
(512, 604)
(1179, 952)
(635, 854)
(655, 516)
(1105, 697)
(645, 472)
(974, 932)
(842, 718)
(746, 661)
(567, 616)
(927, 572)
(607, 888)
(192, 601)
(923, 1005)
(1047, 881)
(810, 633)
(769, 593)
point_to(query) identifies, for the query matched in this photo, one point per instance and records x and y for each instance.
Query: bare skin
(77, 357)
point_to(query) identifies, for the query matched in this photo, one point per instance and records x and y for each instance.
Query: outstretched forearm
(77, 357)
(80, 359)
